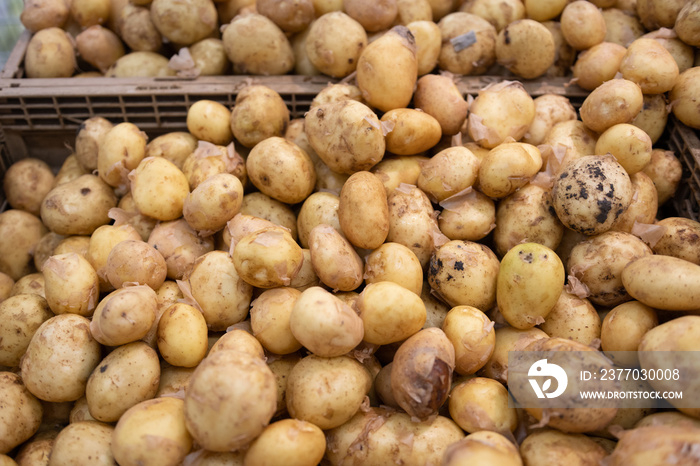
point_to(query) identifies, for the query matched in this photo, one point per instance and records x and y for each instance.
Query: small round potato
(184, 22)
(482, 447)
(174, 147)
(550, 109)
(653, 117)
(21, 412)
(87, 143)
(544, 11)
(21, 232)
(20, 317)
(140, 64)
(390, 312)
(292, 441)
(526, 48)
(679, 50)
(470, 216)
(180, 246)
(256, 45)
(615, 101)
(630, 146)
(650, 65)
(159, 188)
(686, 21)
(214, 202)
(268, 258)
(263, 207)
(549, 445)
(439, 97)
(89, 12)
(396, 263)
(582, 24)
(133, 261)
(210, 121)
(238, 340)
(598, 64)
(334, 44)
(26, 183)
(50, 54)
(623, 329)
(102, 241)
(318, 208)
(43, 14)
(259, 113)
(684, 97)
(508, 167)
(428, 41)
(448, 173)
(82, 443)
(125, 315)
(138, 30)
(413, 131)
(472, 335)
(665, 171)
(499, 13)
(71, 284)
(209, 57)
(621, 28)
(59, 359)
(472, 52)
(122, 149)
(326, 392)
(269, 318)
(334, 260)
(573, 318)
(363, 211)
(481, 403)
(99, 46)
(182, 335)
(289, 15)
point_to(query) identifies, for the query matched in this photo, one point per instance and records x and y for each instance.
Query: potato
(472, 336)
(127, 376)
(363, 212)
(643, 207)
(620, 27)
(508, 167)
(213, 203)
(493, 115)
(6, 284)
(324, 324)
(594, 208)
(655, 14)
(182, 335)
(550, 109)
(269, 318)
(680, 239)
(549, 445)
(598, 64)
(71, 285)
(543, 11)
(159, 188)
(258, 114)
(209, 57)
(20, 317)
(470, 216)
(296, 442)
(99, 46)
(89, 12)
(482, 404)
(686, 22)
(329, 50)
(662, 282)
(36, 450)
(32, 283)
(679, 50)
(90, 136)
(138, 30)
(683, 95)
(650, 65)
(526, 48)
(623, 329)
(413, 131)
(667, 418)
(209, 160)
(83, 443)
(185, 22)
(318, 208)
(122, 149)
(389, 312)
(50, 54)
(448, 173)
(134, 261)
(70, 170)
(140, 64)
(289, 15)
(439, 97)
(583, 25)
(158, 422)
(59, 359)
(238, 340)
(174, 147)
(573, 318)
(102, 241)
(469, 53)
(326, 392)
(396, 170)
(21, 232)
(482, 447)
(653, 445)
(396, 263)
(180, 246)
(615, 101)
(228, 9)
(267, 258)
(43, 14)
(76, 244)
(209, 121)
(410, 11)
(265, 50)
(630, 146)
(577, 141)
(26, 183)
(125, 315)
(428, 41)
(373, 17)
(499, 14)
(389, 59)
(509, 339)
(21, 412)
(653, 116)
(429, 438)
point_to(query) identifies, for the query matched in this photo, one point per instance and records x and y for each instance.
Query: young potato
(43, 14)
(240, 340)
(302, 64)
(220, 293)
(76, 244)
(173, 379)
(499, 111)
(681, 238)
(526, 48)
(573, 318)
(482, 447)
(583, 25)
(396, 263)
(259, 113)
(326, 392)
(230, 399)
(643, 207)
(83, 442)
(527, 215)
(182, 335)
(32, 283)
(50, 54)
(289, 15)
(413, 131)
(429, 438)
(99, 46)
(390, 312)
(180, 246)
(621, 28)
(472, 336)
(508, 167)
(439, 97)
(138, 30)
(592, 208)
(499, 13)
(650, 65)
(125, 315)
(210, 121)
(292, 441)
(480, 403)
(387, 70)
(653, 117)
(615, 101)
(662, 282)
(396, 170)
(140, 64)
(267, 258)
(470, 216)
(373, 17)
(209, 56)
(269, 318)
(160, 420)
(653, 446)
(26, 183)
(428, 43)
(318, 208)
(89, 12)
(598, 64)
(209, 159)
(543, 11)
(623, 329)
(21, 232)
(509, 339)
(185, 22)
(22, 412)
(686, 22)
(128, 375)
(324, 324)
(256, 45)
(214, 202)
(174, 147)
(264, 207)
(66, 337)
(655, 14)
(6, 284)
(630, 146)
(102, 241)
(159, 188)
(71, 285)
(571, 137)
(410, 11)
(122, 150)
(565, 55)
(448, 173)
(470, 53)
(683, 95)
(329, 94)
(87, 143)
(363, 212)
(548, 446)
(550, 109)
(328, 44)
(667, 418)
(20, 317)
(679, 50)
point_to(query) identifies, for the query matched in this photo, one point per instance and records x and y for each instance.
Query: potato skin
(83, 442)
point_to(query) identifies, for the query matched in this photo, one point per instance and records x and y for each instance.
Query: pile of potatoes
(344, 288)
(522, 38)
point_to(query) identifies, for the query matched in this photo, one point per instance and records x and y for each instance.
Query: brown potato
(334, 43)
(363, 211)
(439, 97)
(289, 15)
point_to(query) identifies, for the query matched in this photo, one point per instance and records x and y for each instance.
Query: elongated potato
(615, 101)
(413, 132)
(363, 211)
(389, 312)
(21, 413)
(472, 336)
(663, 282)
(439, 97)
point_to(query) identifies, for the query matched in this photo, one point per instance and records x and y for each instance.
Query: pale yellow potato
(373, 16)
(653, 445)
(209, 57)
(329, 94)
(76, 244)
(238, 340)
(395, 170)
(473, 59)
(410, 11)
(269, 318)
(259, 113)
(292, 441)
(630, 146)
(26, 183)
(656, 13)
(125, 315)
(173, 379)
(582, 25)
(180, 246)
(88, 140)
(571, 137)
(644, 205)
(335, 42)
(680, 51)
(186, 22)
(650, 65)
(241, 225)
(214, 202)
(499, 13)
(526, 48)
(686, 22)
(159, 422)
(621, 28)
(209, 159)
(483, 447)
(50, 54)
(471, 216)
(668, 418)
(509, 339)
(59, 359)
(428, 42)
(256, 45)
(439, 97)
(267, 258)
(499, 111)
(565, 54)
(412, 132)
(363, 212)
(472, 335)
(653, 117)
(481, 403)
(623, 329)
(326, 391)
(665, 171)
(137, 29)
(549, 446)
(127, 376)
(32, 283)
(233, 392)
(680, 239)
(99, 46)
(387, 70)
(289, 15)
(6, 284)
(78, 207)
(663, 282)
(281, 368)
(324, 324)
(21, 232)
(508, 167)
(22, 412)
(333, 258)
(36, 450)
(102, 240)
(182, 335)
(613, 102)
(684, 95)
(540, 10)
(306, 278)
(573, 318)
(448, 173)
(83, 442)
(318, 208)
(175, 147)
(71, 284)
(89, 12)
(390, 312)
(20, 317)
(264, 207)
(140, 64)
(598, 64)
(159, 188)
(209, 121)
(550, 109)
(43, 14)
(122, 149)
(396, 263)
